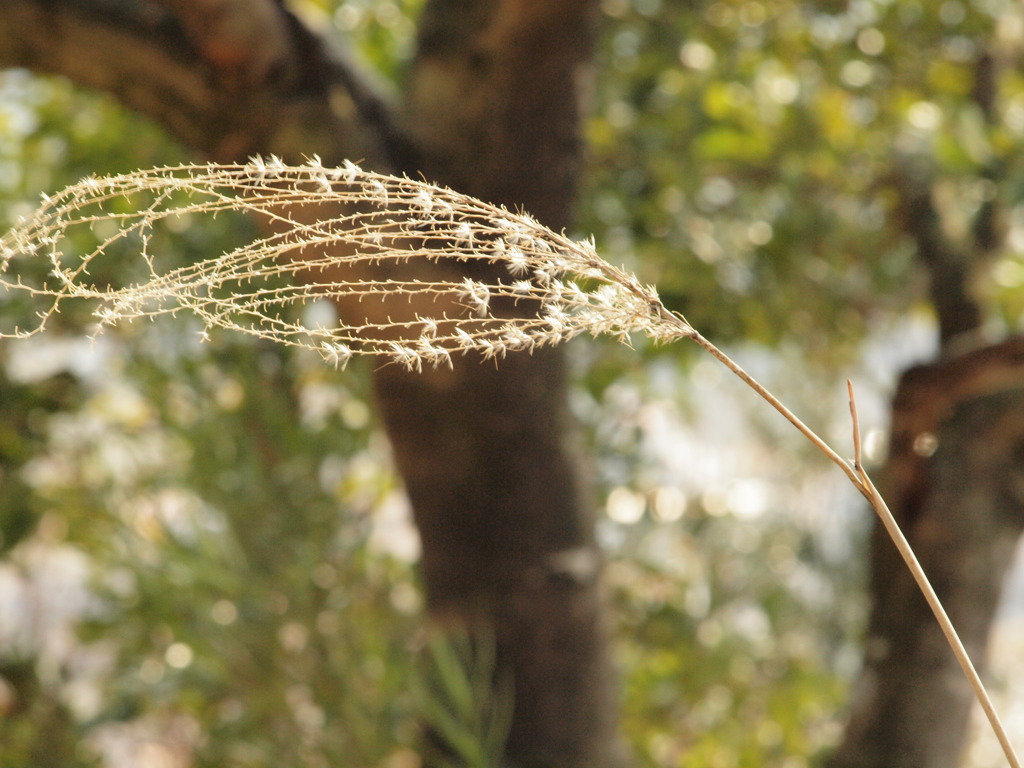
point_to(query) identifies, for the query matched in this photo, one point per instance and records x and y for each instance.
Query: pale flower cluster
(419, 272)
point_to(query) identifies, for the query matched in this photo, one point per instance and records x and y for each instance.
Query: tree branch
(227, 78)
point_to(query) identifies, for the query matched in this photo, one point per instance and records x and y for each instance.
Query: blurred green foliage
(226, 502)
(221, 497)
(463, 700)
(744, 151)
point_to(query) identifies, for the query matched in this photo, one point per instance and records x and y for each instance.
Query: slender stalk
(775, 403)
(860, 480)
(907, 552)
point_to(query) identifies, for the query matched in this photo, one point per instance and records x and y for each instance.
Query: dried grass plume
(434, 272)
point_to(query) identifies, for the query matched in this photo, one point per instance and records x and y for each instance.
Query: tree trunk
(507, 531)
(955, 482)
(492, 109)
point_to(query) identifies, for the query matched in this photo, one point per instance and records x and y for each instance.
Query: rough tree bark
(491, 108)
(955, 483)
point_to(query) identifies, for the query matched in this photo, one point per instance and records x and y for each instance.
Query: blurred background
(206, 556)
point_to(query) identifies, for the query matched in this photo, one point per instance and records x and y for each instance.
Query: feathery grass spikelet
(425, 272)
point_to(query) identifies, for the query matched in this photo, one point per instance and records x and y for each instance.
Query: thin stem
(775, 403)
(907, 552)
(860, 480)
